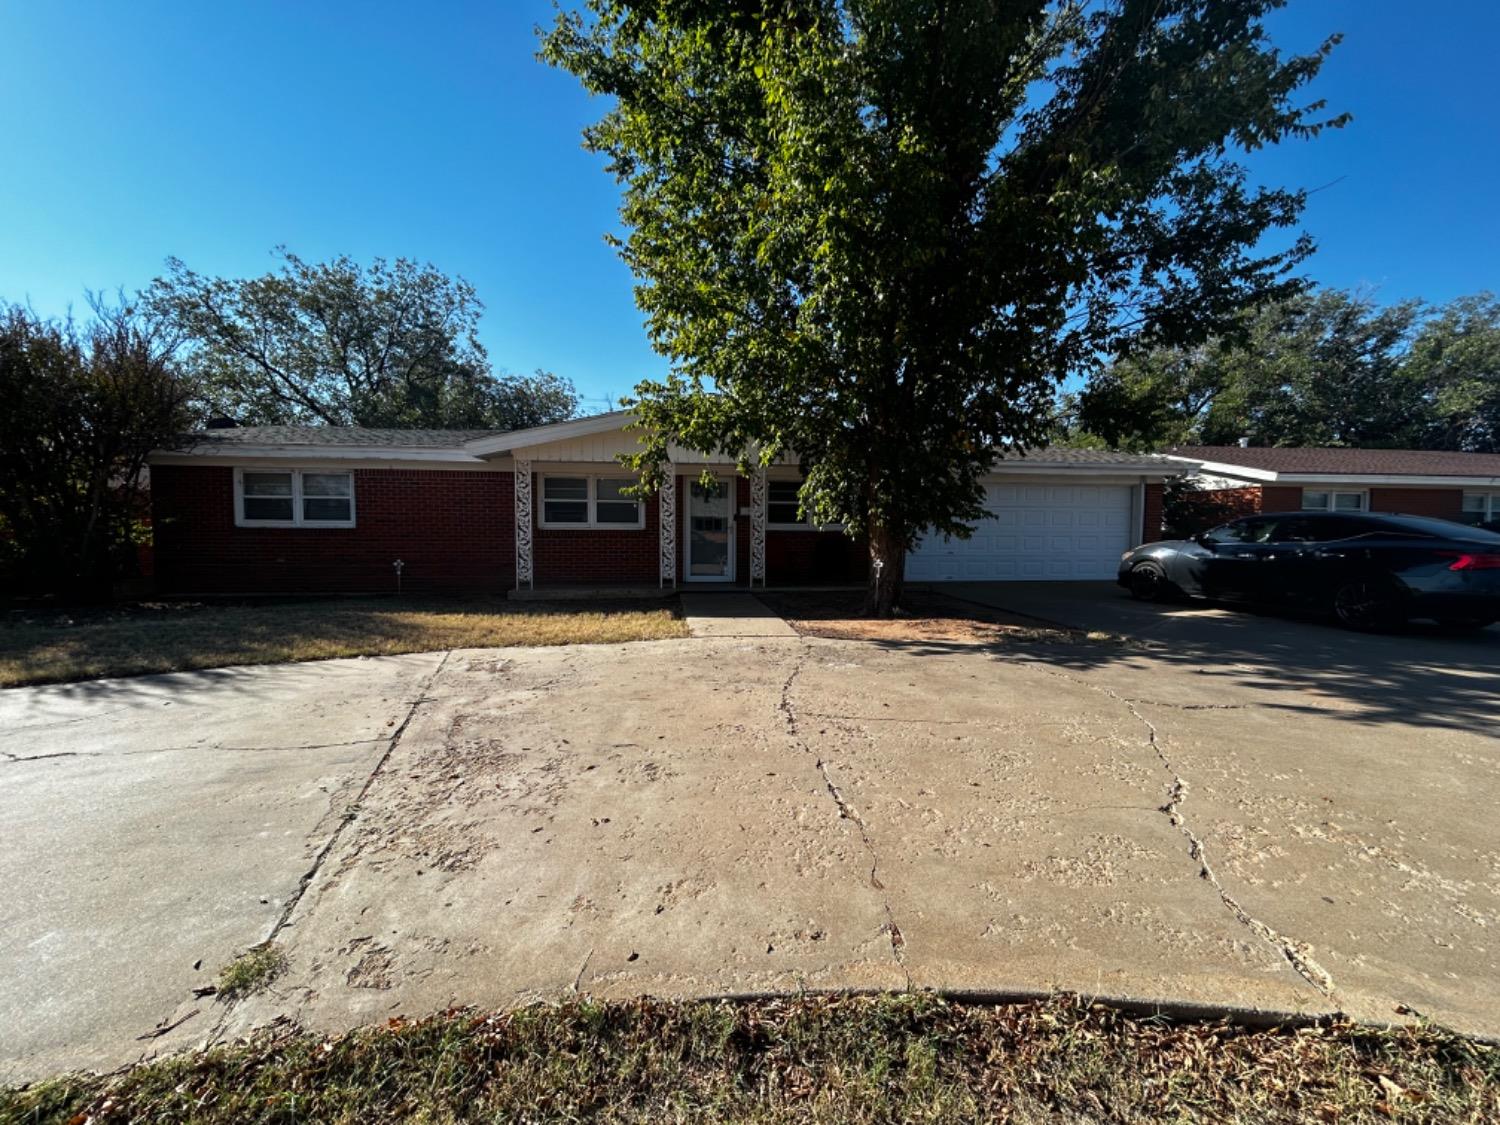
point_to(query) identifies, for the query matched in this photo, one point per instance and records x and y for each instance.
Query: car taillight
(1475, 562)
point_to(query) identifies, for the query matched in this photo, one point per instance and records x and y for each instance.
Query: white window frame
(1491, 510)
(1362, 493)
(591, 501)
(296, 520)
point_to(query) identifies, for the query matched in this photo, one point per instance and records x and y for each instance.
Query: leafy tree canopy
(84, 405)
(1325, 368)
(394, 345)
(877, 232)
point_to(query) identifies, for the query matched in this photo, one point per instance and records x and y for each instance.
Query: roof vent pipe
(1244, 443)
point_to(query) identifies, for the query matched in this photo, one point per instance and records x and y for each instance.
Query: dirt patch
(925, 616)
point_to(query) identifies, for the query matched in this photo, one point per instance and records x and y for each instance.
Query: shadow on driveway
(1421, 675)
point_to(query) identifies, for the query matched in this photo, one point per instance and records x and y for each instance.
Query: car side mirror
(1203, 539)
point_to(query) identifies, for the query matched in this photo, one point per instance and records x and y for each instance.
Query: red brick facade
(452, 530)
(1443, 503)
(1151, 516)
(1412, 501)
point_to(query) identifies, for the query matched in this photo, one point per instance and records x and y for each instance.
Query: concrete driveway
(728, 815)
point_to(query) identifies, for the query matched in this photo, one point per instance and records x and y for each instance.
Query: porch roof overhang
(1357, 480)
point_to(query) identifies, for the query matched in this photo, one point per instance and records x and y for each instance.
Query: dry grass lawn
(877, 1059)
(57, 647)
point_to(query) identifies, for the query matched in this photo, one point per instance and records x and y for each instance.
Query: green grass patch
(251, 972)
(888, 1058)
(55, 647)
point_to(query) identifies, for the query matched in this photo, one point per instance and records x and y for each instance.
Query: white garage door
(1037, 531)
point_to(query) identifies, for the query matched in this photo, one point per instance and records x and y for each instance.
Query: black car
(1371, 571)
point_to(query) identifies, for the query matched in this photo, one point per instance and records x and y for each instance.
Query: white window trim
(800, 525)
(296, 520)
(1491, 510)
(592, 501)
(1362, 493)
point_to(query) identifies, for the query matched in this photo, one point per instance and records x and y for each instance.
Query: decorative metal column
(523, 525)
(758, 526)
(667, 505)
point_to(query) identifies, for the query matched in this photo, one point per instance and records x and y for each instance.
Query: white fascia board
(1362, 480)
(541, 435)
(1222, 469)
(1377, 480)
(1073, 469)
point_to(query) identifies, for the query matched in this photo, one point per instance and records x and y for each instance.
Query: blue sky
(217, 131)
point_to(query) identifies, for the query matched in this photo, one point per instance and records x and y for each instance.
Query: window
(293, 498)
(782, 502)
(1254, 530)
(1329, 501)
(612, 508)
(1319, 529)
(1480, 508)
(590, 502)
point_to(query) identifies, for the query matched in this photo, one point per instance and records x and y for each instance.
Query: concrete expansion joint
(1296, 953)
(847, 811)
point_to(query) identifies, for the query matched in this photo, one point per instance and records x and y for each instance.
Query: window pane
(327, 484)
(782, 513)
(268, 508)
(1349, 501)
(782, 491)
(617, 511)
(566, 488)
(268, 484)
(1475, 502)
(330, 509)
(611, 489)
(1315, 501)
(565, 511)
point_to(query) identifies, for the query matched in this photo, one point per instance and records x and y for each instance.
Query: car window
(1257, 529)
(1318, 529)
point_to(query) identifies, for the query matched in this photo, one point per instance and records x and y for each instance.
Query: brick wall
(812, 558)
(595, 556)
(1151, 519)
(1280, 498)
(453, 530)
(1444, 503)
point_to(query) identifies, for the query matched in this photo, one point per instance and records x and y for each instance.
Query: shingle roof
(1062, 455)
(1354, 462)
(339, 435)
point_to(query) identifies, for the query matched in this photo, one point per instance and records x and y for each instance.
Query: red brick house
(296, 509)
(1464, 487)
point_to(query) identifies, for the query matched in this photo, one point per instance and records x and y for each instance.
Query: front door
(710, 533)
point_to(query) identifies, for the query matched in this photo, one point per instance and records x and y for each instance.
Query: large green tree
(84, 406)
(1323, 368)
(875, 233)
(394, 344)
(1456, 359)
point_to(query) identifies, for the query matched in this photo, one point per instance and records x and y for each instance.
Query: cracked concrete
(735, 815)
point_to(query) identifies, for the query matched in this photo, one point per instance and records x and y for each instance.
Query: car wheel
(1148, 582)
(1365, 604)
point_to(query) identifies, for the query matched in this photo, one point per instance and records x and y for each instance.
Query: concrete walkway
(732, 615)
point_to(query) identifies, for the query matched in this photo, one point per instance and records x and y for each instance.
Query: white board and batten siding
(1037, 532)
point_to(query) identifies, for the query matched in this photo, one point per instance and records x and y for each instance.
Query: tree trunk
(887, 572)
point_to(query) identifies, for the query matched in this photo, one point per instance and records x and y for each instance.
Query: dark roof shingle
(338, 435)
(1354, 462)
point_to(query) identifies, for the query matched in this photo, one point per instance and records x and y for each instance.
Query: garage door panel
(1037, 532)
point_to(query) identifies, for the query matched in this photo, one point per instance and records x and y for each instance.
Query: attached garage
(1058, 515)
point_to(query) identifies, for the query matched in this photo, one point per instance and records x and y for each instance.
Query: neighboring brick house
(1464, 487)
(299, 509)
